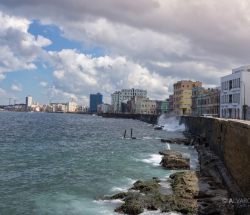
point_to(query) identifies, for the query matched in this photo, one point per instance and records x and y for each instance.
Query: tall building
(235, 94)
(94, 101)
(28, 102)
(118, 97)
(183, 96)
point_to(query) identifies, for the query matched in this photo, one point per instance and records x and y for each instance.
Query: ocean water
(61, 164)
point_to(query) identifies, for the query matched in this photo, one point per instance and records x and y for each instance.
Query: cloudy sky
(58, 50)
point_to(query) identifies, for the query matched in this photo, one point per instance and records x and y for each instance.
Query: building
(71, 107)
(182, 100)
(82, 109)
(196, 94)
(123, 96)
(58, 107)
(28, 102)
(171, 103)
(94, 101)
(235, 94)
(103, 108)
(205, 101)
(162, 106)
(141, 105)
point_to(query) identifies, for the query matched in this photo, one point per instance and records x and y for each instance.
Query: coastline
(209, 195)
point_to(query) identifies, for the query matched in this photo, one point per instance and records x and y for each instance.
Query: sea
(63, 164)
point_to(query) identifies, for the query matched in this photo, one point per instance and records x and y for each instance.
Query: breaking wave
(170, 123)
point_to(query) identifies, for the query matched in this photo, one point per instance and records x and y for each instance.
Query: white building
(29, 101)
(71, 107)
(141, 105)
(103, 108)
(235, 92)
(125, 95)
(58, 107)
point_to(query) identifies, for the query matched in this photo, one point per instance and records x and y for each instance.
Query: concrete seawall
(228, 139)
(152, 119)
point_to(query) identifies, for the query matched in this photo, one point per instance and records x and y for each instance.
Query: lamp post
(244, 105)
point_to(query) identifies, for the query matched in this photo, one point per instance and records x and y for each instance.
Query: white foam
(154, 159)
(113, 201)
(158, 212)
(170, 124)
(119, 189)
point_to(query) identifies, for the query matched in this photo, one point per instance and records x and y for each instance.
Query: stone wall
(230, 140)
(152, 119)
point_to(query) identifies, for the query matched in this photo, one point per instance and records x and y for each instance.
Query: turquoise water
(60, 164)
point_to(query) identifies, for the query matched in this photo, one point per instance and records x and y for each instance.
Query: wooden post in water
(124, 136)
(131, 133)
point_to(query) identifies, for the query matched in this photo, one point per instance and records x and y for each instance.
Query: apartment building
(235, 94)
(182, 99)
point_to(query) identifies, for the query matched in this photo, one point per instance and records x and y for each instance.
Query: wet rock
(177, 141)
(146, 186)
(133, 204)
(121, 195)
(174, 160)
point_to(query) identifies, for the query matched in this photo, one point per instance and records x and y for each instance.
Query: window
(230, 84)
(230, 98)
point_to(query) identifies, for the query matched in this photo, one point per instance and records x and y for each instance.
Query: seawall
(228, 139)
(152, 119)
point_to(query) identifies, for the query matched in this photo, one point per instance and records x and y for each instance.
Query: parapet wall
(152, 119)
(230, 140)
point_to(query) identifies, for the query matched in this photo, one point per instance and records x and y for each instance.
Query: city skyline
(117, 45)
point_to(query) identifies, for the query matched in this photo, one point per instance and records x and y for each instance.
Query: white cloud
(59, 74)
(42, 41)
(16, 87)
(18, 48)
(2, 77)
(80, 75)
(43, 84)
(147, 43)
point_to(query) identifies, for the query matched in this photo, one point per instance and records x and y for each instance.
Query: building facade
(162, 106)
(205, 101)
(103, 108)
(182, 100)
(28, 102)
(94, 101)
(141, 105)
(171, 103)
(235, 94)
(123, 96)
(72, 107)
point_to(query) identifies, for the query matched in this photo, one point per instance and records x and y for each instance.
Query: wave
(113, 201)
(170, 123)
(153, 159)
(158, 212)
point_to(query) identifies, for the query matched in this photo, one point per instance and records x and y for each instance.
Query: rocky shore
(200, 192)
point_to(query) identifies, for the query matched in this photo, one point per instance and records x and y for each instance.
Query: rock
(132, 207)
(174, 160)
(121, 195)
(177, 141)
(146, 186)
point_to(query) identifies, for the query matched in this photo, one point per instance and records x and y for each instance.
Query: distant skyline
(58, 50)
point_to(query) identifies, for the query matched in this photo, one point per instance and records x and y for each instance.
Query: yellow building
(183, 96)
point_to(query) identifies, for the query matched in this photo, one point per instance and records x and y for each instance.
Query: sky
(60, 50)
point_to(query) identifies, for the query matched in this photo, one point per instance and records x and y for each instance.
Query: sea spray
(170, 123)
